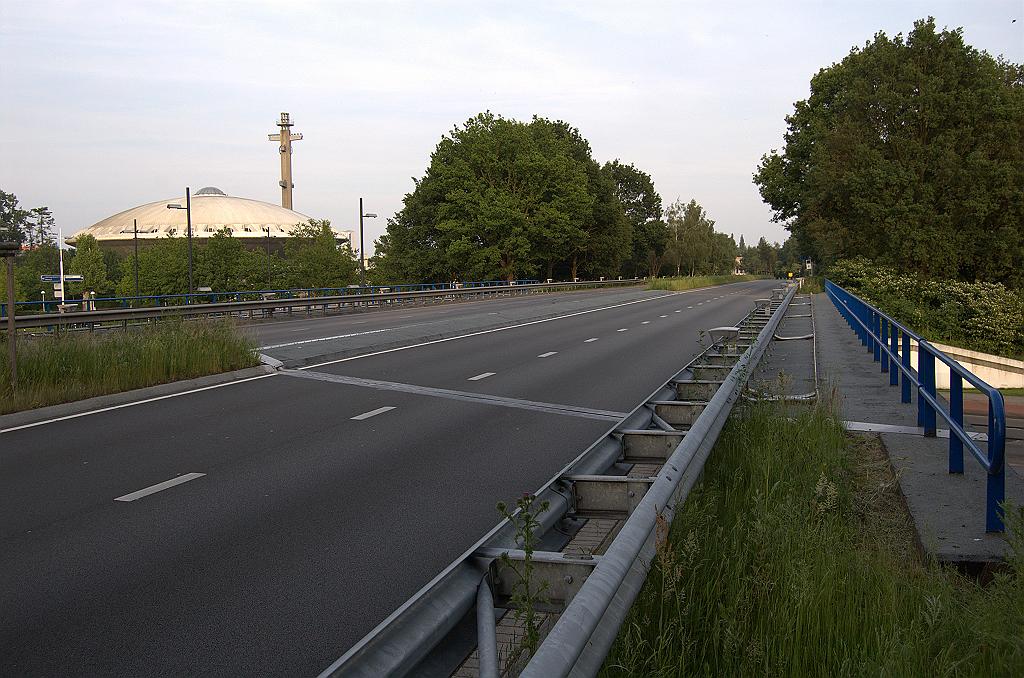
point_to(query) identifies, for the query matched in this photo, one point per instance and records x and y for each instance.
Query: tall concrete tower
(285, 137)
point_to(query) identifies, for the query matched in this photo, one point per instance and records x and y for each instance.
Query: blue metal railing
(50, 305)
(890, 343)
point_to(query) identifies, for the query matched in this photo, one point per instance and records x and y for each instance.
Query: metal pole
(270, 278)
(11, 338)
(362, 267)
(135, 226)
(188, 218)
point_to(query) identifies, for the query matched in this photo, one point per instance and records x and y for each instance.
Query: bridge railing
(149, 300)
(890, 343)
(354, 298)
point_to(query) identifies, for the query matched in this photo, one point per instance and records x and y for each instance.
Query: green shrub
(982, 316)
(70, 366)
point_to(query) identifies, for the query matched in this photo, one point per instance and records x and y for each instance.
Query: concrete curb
(113, 399)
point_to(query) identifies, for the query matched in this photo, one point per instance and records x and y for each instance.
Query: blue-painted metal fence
(890, 343)
(50, 305)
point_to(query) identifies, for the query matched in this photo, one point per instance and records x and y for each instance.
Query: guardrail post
(927, 358)
(956, 411)
(906, 363)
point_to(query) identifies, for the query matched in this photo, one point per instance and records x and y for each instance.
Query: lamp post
(135, 241)
(270, 270)
(8, 250)
(188, 219)
(362, 255)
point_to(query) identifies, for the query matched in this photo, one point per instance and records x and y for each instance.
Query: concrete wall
(996, 370)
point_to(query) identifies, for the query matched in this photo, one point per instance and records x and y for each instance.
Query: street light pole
(270, 271)
(362, 255)
(8, 250)
(188, 218)
(135, 226)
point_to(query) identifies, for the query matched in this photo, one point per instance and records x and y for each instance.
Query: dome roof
(212, 210)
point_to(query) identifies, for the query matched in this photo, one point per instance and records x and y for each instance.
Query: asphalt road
(316, 505)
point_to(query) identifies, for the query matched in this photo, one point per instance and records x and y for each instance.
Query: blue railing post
(894, 372)
(876, 334)
(884, 340)
(996, 491)
(928, 386)
(906, 363)
(956, 411)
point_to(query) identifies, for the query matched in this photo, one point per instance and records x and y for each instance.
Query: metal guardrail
(408, 642)
(890, 342)
(100, 303)
(356, 300)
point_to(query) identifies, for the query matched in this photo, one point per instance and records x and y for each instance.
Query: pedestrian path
(948, 510)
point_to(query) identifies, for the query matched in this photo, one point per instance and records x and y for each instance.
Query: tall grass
(795, 557)
(71, 366)
(693, 282)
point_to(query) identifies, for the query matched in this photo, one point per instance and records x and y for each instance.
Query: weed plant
(74, 365)
(795, 557)
(693, 282)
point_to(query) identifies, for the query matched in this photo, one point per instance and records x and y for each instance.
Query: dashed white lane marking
(678, 310)
(665, 316)
(482, 376)
(548, 354)
(153, 489)
(372, 413)
(622, 329)
(689, 307)
(646, 322)
(587, 341)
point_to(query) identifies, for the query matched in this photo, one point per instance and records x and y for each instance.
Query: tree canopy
(506, 199)
(910, 151)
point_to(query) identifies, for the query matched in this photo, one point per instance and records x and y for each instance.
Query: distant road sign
(56, 278)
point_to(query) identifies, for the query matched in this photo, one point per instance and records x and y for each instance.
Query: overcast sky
(107, 105)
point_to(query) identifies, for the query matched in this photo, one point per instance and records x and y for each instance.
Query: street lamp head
(370, 215)
(174, 206)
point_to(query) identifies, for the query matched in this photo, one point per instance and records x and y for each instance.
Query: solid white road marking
(372, 413)
(337, 336)
(482, 376)
(153, 489)
(587, 341)
(548, 354)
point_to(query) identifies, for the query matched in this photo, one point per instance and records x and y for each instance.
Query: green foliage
(70, 366)
(314, 258)
(642, 207)
(694, 247)
(693, 282)
(88, 262)
(526, 592)
(28, 266)
(13, 219)
(909, 152)
(981, 316)
(503, 198)
(795, 557)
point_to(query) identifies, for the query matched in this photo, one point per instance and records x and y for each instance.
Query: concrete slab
(948, 510)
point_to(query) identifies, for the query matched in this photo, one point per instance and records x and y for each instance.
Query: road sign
(67, 278)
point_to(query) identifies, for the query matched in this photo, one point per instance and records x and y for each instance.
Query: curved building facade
(212, 210)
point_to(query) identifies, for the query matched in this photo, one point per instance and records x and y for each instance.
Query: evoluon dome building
(212, 210)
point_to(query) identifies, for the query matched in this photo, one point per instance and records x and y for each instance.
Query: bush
(980, 316)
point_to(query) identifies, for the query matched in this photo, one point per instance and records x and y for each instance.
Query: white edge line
(153, 489)
(135, 402)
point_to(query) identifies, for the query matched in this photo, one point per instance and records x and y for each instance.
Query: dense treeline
(508, 199)
(909, 152)
(310, 258)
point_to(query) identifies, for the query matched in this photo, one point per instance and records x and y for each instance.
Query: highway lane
(308, 526)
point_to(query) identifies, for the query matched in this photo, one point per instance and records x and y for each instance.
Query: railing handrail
(194, 310)
(923, 381)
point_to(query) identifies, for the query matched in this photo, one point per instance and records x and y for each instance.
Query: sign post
(7, 252)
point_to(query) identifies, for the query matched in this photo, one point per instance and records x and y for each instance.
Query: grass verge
(71, 366)
(689, 283)
(795, 557)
